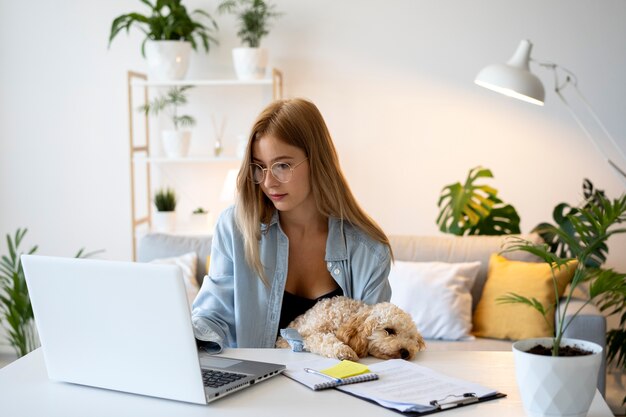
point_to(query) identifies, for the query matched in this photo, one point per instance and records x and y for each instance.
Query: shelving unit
(187, 160)
(140, 156)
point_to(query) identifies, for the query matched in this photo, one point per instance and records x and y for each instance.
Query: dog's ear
(421, 344)
(354, 333)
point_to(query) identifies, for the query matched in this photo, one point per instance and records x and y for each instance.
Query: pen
(313, 371)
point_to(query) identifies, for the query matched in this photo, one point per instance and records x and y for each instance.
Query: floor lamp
(514, 79)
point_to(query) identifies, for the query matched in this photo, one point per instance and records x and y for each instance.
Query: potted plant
(170, 35)
(615, 338)
(16, 312)
(200, 220)
(165, 216)
(250, 61)
(473, 209)
(175, 142)
(549, 382)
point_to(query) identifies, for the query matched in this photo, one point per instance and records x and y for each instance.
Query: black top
(294, 305)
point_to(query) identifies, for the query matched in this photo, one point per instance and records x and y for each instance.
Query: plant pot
(176, 143)
(200, 222)
(167, 60)
(164, 221)
(250, 63)
(556, 385)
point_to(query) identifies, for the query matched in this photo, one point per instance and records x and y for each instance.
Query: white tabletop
(25, 391)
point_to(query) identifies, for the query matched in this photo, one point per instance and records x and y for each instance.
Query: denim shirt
(234, 308)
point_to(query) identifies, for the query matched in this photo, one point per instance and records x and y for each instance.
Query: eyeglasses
(282, 171)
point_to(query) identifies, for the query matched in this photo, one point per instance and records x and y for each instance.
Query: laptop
(126, 326)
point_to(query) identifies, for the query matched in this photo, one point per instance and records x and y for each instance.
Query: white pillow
(436, 295)
(188, 264)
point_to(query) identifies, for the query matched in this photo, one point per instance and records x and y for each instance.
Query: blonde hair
(299, 123)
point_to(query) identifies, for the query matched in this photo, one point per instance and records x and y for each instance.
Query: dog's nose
(404, 353)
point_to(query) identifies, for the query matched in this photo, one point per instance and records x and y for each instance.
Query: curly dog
(344, 328)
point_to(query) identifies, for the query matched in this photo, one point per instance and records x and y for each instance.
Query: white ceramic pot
(250, 63)
(164, 221)
(556, 386)
(176, 143)
(167, 60)
(200, 222)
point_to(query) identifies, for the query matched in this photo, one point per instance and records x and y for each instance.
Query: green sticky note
(345, 369)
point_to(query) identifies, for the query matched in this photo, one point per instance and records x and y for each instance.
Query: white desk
(25, 391)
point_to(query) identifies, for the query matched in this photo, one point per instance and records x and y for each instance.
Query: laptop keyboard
(216, 379)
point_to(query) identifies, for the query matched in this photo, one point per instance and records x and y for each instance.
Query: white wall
(394, 80)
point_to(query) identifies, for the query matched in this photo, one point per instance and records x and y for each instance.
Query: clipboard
(414, 390)
(462, 400)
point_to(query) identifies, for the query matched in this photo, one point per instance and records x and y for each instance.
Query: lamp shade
(514, 78)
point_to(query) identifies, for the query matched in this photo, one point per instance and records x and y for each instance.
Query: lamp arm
(570, 79)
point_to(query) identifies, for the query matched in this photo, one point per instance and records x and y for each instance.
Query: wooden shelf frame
(140, 154)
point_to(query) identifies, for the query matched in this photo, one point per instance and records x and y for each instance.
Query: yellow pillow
(528, 279)
(208, 263)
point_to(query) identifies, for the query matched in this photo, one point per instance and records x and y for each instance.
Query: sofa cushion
(477, 343)
(446, 248)
(160, 245)
(513, 320)
(436, 295)
(188, 265)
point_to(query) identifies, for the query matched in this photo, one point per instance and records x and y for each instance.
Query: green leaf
(582, 233)
(475, 208)
(15, 309)
(170, 102)
(167, 20)
(16, 313)
(83, 254)
(165, 200)
(512, 298)
(254, 17)
(502, 220)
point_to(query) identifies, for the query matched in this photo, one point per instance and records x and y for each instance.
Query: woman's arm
(375, 272)
(213, 312)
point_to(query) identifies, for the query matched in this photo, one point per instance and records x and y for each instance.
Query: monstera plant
(475, 209)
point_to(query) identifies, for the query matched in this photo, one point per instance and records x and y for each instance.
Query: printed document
(406, 386)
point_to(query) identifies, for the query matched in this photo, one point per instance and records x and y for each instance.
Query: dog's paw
(345, 352)
(282, 343)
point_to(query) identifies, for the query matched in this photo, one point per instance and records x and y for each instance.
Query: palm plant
(561, 215)
(254, 17)
(16, 312)
(615, 338)
(472, 209)
(616, 342)
(584, 234)
(168, 20)
(170, 102)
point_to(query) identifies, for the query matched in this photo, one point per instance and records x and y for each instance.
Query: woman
(295, 235)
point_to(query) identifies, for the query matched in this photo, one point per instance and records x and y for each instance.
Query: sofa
(421, 255)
